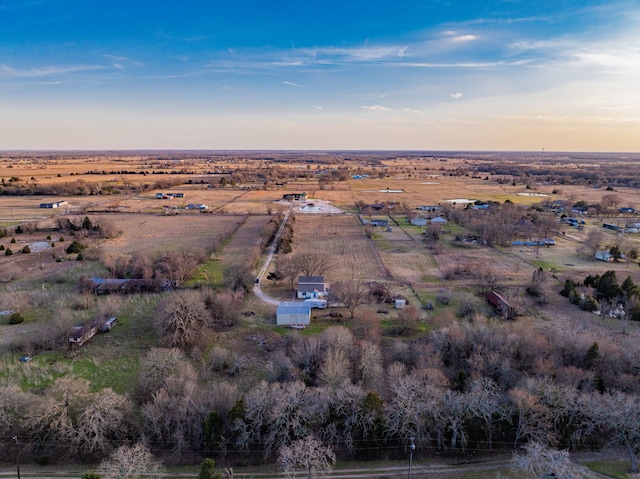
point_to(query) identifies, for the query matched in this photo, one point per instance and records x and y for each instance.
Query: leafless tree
(335, 368)
(135, 462)
(350, 293)
(308, 453)
(181, 319)
(289, 268)
(592, 243)
(617, 416)
(313, 264)
(541, 461)
(159, 364)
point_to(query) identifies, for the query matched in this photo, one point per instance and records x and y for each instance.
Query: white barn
(293, 313)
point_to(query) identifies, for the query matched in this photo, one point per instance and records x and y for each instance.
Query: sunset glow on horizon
(415, 75)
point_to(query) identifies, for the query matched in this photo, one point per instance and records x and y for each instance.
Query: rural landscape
(253, 314)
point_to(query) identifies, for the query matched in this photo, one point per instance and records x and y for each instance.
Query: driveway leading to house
(272, 249)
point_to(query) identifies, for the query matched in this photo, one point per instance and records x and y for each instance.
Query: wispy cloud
(376, 108)
(457, 95)
(292, 84)
(120, 61)
(50, 70)
(318, 107)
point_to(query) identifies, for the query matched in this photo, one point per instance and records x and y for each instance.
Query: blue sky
(222, 74)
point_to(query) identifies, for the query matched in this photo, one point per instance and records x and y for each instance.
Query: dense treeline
(475, 384)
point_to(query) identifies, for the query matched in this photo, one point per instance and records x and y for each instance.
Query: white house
(605, 255)
(419, 221)
(292, 313)
(439, 220)
(311, 287)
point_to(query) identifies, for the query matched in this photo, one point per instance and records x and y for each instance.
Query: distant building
(419, 222)
(55, 204)
(379, 222)
(295, 196)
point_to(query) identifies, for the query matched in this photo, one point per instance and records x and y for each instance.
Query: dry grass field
(148, 232)
(342, 238)
(151, 223)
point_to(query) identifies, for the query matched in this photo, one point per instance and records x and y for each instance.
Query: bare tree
(617, 415)
(131, 463)
(350, 293)
(307, 453)
(289, 268)
(335, 369)
(591, 243)
(540, 461)
(181, 319)
(313, 264)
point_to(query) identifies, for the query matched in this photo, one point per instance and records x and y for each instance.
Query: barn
(292, 313)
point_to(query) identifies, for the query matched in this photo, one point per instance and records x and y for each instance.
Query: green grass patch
(618, 469)
(210, 273)
(118, 374)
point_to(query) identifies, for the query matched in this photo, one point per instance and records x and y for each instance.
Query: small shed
(293, 313)
(400, 303)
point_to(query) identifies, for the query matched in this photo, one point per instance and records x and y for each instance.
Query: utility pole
(412, 447)
(15, 438)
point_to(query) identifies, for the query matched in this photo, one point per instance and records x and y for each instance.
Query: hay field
(341, 237)
(147, 232)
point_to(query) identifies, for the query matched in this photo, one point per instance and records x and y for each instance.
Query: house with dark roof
(312, 287)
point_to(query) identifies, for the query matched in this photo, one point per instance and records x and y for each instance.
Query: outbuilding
(293, 313)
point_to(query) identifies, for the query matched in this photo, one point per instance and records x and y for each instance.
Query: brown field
(400, 255)
(144, 232)
(342, 238)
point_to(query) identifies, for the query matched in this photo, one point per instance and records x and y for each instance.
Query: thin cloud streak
(9, 72)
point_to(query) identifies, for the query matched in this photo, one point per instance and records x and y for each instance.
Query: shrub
(61, 239)
(13, 240)
(90, 475)
(16, 318)
(75, 247)
(19, 229)
(8, 252)
(1, 247)
(26, 249)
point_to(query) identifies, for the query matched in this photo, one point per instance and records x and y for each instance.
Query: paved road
(272, 249)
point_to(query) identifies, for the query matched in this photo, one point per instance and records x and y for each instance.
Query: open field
(451, 338)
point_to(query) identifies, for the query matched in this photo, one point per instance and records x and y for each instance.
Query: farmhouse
(311, 287)
(500, 304)
(419, 222)
(429, 208)
(605, 255)
(294, 314)
(438, 220)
